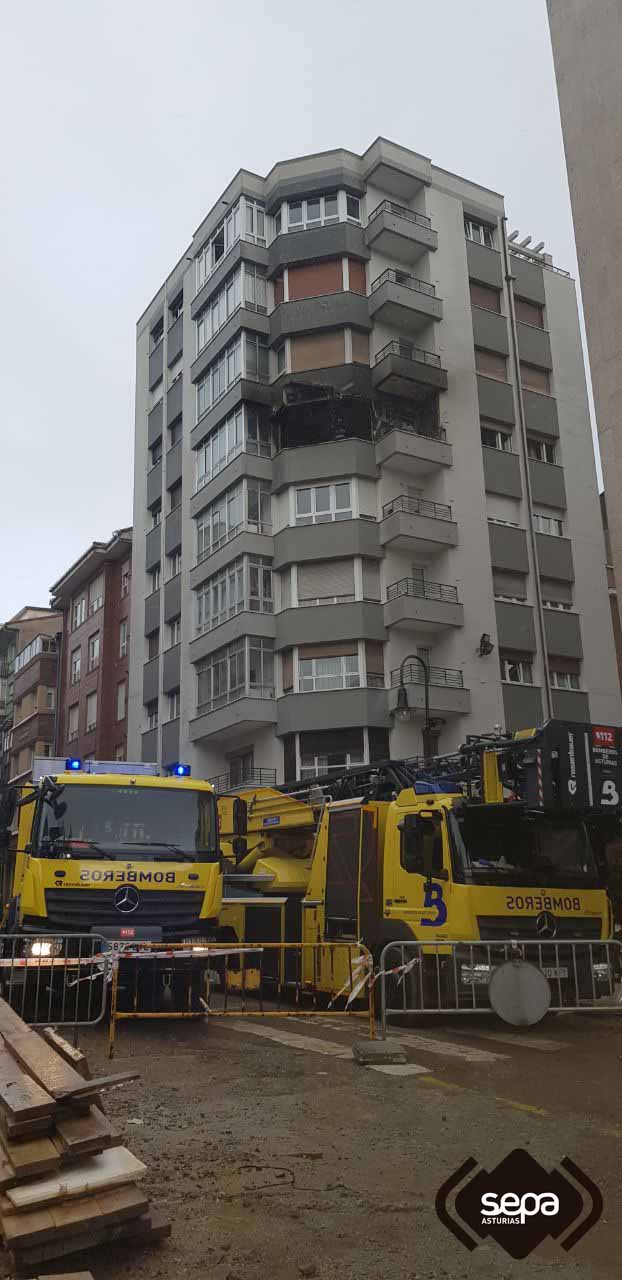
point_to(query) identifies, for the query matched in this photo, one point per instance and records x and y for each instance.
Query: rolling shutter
(325, 579)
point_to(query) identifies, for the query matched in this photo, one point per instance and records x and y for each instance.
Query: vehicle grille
(83, 909)
(581, 927)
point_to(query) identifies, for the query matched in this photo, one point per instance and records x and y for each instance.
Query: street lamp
(403, 712)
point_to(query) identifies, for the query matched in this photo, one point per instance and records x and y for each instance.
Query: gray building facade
(362, 437)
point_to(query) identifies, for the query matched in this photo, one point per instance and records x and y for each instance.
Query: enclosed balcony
(402, 369)
(403, 301)
(398, 232)
(415, 524)
(447, 694)
(415, 603)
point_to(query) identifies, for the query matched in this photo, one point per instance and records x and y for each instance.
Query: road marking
(401, 1069)
(311, 1044)
(447, 1049)
(522, 1106)
(443, 1084)
(524, 1042)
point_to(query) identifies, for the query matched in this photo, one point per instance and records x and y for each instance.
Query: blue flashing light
(73, 764)
(181, 770)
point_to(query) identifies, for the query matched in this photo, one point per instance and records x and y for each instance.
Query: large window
(255, 287)
(218, 310)
(96, 594)
(541, 450)
(479, 232)
(76, 664)
(326, 582)
(91, 712)
(322, 753)
(219, 376)
(314, 212)
(246, 583)
(78, 612)
(72, 722)
(93, 651)
(317, 674)
(246, 505)
(564, 679)
(323, 503)
(246, 429)
(494, 438)
(516, 670)
(247, 220)
(548, 524)
(244, 669)
(256, 366)
(151, 712)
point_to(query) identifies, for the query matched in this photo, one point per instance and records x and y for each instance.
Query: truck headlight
(44, 948)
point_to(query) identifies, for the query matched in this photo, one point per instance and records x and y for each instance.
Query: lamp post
(403, 711)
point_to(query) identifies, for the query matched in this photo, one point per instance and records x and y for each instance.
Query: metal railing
(443, 677)
(406, 351)
(64, 983)
(417, 507)
(250, 778)
(261, 691)
(400, 211)
(391, 276)
(424, 590)
(385, 425)
(448, 976)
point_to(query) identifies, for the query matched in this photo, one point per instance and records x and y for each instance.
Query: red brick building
(94, 598)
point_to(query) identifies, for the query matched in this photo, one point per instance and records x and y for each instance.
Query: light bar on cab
(180, 770)
(73, 763)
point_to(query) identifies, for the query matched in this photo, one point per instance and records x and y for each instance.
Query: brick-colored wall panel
(315, 278)
(318, 351)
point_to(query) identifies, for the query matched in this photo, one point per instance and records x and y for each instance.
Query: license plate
(555, 971)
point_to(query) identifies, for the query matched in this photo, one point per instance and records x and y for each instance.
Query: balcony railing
(406, 351)
(416, 507)
(261, 691)
(443, 677)
(384, 425)
(399, 211)
(249, 778)
(40, 644)
(391, 276)
(423, 590)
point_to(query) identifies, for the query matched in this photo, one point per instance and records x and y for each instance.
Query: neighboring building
(587, 48)
(29, 689)
(613, 590)
(8, 638)
(360, 417)
(94, 598)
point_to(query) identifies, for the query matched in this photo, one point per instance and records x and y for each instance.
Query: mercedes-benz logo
(546, 925)
(126, 899)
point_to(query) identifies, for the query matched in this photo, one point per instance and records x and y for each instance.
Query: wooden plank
(81, 1135)
(21, 1097)
(21, 1230)
(95, 1173)
(147, 1229)
(69, 1275)
(89, 1087)
(10, 1021)
(45, 1065)
(70, 1052)
(25, 1128)
(32, 1157)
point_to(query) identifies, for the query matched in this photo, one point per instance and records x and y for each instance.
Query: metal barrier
(280, 979)
(55, 979)
(453, 977)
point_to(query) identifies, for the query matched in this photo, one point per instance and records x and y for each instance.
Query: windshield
(506, 846)
(167, 823)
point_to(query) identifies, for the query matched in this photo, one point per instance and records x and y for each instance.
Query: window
(119, 751)
(259, 570)
(548, 524)
(241, 768)
(277, 223)
(219, 309)
(258, 434)
(322, 753)
(246, 583)
(255, 357)
(255, 287)
(255, 223)
(151, 711)
(123, 634)
(353, 208)
(121, 700)
(46, 750)
(174, 494)
(79, 612)
(157, 333)
(516, 670)
(541, 450)
(72, 722)
(175, 371)
(258, 505)
(125, 578)
(556, 604)
(242, 669)
(154, 579)
(483, 296)
(316, 211)
(156, 452)
(324, 503)
(174, 433)
(220, 521)
(490, 364)
(174, 632)
(173, 705)
(156, 515)
(564, 679)
(219, 376)
(50, 699)
(529, 312)
(93, 652)
(176, 309)
(219, 448)
(174, 564)
(91, 712)
(317, 674)
(534, 378)
(494, 438)
(280, 358)
(153, 645)
(326, 582)
(96, 594)
(246, 219)
(479, 232)
(75, 665)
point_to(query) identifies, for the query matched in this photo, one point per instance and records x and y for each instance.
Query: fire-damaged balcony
(408, 437)
(320, 415)
(402, 369)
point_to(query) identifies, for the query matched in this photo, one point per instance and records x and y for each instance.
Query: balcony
(399, 233)
(250, 707)
(401, 369)
(423, 606)
(415, 524)
(248, 778)
(403, 301)
(400, 447)
(340, 708)
(447, 694)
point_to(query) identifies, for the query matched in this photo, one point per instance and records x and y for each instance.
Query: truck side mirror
(240, 817)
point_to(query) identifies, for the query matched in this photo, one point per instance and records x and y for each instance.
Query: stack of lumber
(66, 1182)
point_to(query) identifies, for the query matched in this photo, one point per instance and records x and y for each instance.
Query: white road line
(447, 1049)
(402, 1069)
(311, 1044)
(524, 1042)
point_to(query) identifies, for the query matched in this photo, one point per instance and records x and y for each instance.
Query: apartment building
(93, 598)
(30, 643)
(363, 467)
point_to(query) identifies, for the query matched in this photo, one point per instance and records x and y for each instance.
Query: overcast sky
(122, 124)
